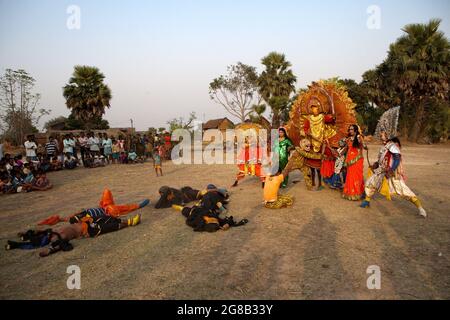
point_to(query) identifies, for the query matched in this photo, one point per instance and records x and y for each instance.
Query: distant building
(221, 124)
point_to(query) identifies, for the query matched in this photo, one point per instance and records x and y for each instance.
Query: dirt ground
(318, 249)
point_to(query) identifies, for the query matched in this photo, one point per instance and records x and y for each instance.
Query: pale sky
(159, 57)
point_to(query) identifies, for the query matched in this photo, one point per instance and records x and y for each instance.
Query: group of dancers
(340, 167)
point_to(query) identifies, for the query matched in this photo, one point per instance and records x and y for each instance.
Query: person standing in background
(30, 148)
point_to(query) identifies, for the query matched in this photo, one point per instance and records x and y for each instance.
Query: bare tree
(237, 91)
(19, 112)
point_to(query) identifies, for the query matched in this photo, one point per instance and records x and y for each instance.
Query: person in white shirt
(93, 143)
(30, 148)
(68, 144)
(70, 162)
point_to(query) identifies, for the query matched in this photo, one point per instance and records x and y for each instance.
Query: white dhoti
(373, 183)
(399, 187)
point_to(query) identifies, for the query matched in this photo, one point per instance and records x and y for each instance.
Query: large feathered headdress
(388, 123)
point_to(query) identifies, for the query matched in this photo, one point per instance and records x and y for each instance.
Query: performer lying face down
(204, 216)
(170, 196)
(58, 239)
(87, 223)
(107, 207)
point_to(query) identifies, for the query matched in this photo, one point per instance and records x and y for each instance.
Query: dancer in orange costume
(354, 162)
(250, 162)
(107, 207)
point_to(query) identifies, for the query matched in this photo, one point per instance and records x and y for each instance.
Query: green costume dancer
(283, 148)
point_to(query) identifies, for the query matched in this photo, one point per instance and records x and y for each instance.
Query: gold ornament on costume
(331, 98)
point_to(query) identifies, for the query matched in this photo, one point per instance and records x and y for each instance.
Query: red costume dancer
(354, 161)
(327, 168)
(167, 146)
(249, 163)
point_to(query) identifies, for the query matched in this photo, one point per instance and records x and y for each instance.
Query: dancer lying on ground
(107, 207)
(170, 196)
(204, 216)
(58, 239)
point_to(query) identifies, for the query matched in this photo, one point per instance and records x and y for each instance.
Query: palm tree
(257, 113)
(86, 94)
(276, 83)
(417, 67)
(422, 58)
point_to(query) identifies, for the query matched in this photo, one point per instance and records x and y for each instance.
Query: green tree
(367, 111)
(181, 124)
(257, 113)
(415, 75)
(95, 123)
(87, 96)
(57, 120)
(237, 91)
(276, 83)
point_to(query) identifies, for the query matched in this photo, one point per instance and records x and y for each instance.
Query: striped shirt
(96, 212)
(50, 148)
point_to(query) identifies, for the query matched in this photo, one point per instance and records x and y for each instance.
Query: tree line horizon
(414, 75)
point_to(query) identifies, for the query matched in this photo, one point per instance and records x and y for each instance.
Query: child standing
(115, 151)
(157, 162)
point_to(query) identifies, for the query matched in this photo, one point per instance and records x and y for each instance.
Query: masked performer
(387, 177)
(318, 127)
(170, 196)
(302, 159)
(354, 163)
(283, 149)
(204, 216)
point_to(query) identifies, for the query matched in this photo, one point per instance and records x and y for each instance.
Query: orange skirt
(354, 183)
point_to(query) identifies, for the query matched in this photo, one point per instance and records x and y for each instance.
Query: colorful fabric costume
(273, 200)
(319, 128)
(106, 207)
(249, 162)
(299, 161)
(327, 167)
(338, 177)
(282, 149)
(354, 182)
(387, 177)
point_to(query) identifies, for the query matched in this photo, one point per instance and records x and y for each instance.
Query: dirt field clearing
(318, 249)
